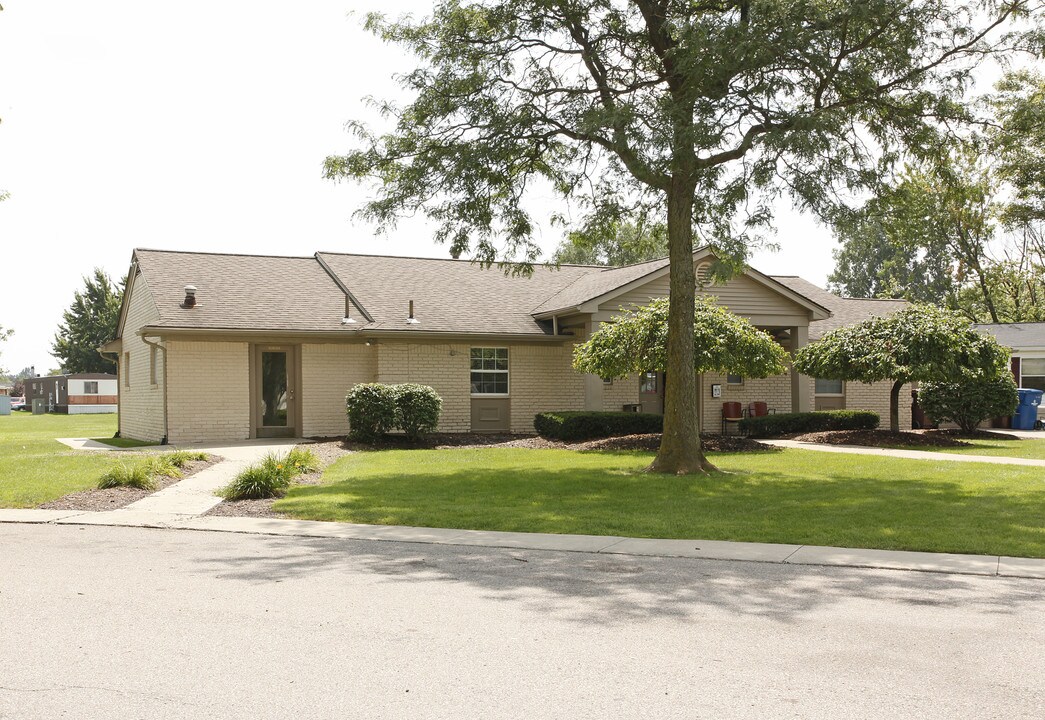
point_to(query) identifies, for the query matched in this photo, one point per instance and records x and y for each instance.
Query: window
(489, 371)
(648, 383)
(734, 379)
(1032, 373)
(126, 369)
(90, 387)
(825, 386)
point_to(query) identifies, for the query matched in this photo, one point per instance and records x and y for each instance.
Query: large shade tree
(920, 343)
(692, 113)
(638, 341)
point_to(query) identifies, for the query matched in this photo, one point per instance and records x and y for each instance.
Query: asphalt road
(105, 622)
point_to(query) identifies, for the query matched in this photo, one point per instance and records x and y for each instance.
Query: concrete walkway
(909, 454)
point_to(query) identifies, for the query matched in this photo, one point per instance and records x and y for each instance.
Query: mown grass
(1028, 449)
(796, 496)
(35, 468)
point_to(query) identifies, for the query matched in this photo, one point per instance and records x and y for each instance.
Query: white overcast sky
(198, 126)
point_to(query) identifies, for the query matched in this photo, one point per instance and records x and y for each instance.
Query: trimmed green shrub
(303, 460)
(586, 425)
(970, 400)
(804, 422)
(136, 475)
(371, 411)
(417, 409)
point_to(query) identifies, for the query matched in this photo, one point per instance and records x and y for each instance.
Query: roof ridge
(223, 254)
(549, 264)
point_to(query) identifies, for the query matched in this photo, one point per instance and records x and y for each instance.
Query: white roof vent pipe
(411, 320)
(348, 319)
(190, 297)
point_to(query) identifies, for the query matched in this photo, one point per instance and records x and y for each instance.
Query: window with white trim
(1032, 373)
(489, 371)
(90, 387)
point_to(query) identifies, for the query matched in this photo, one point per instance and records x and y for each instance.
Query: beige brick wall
(620, 392)
(542, 379)
(875, 396)
(141, 402)
(442, 366)
(774, 391)
(209, 391)
(328, 372)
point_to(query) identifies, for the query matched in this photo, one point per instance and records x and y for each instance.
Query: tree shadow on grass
(608, 590)
(851, 509)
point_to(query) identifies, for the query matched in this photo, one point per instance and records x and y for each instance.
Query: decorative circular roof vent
(704, 274)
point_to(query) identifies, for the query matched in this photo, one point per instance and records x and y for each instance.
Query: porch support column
(800, 399)
(593, 384)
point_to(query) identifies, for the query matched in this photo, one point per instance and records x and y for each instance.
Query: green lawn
(791, 497)
(36, 468)
(1031, 449)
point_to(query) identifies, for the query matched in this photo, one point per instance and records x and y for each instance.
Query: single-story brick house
(228, 347)
(1027, 341)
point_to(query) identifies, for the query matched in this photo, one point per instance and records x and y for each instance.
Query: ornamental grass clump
(272, 476)
(136, 475)
(181, 458)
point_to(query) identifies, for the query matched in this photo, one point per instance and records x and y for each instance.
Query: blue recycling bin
(1027, 411)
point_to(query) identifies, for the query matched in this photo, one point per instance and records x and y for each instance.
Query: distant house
(228, 347)
(1027, 341)
(76, 394)
(5, 399)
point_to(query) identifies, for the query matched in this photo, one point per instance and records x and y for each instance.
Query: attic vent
(704, 274)
(190, 297)
(411, 320)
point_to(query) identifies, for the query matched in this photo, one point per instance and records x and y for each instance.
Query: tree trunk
(680, 452)
(894, 407)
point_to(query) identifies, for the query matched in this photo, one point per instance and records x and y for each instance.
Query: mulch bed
(119, 497)
(881, 438)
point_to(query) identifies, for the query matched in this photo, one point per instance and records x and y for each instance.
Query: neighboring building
(5, 399)
(263, 346)
(76, 394)
(1027, 342)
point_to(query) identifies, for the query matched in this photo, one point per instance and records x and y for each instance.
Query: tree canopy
(619, 243)
(696, 114)
(88, 323)
(920, 343)
(4, 334)
(637, 341)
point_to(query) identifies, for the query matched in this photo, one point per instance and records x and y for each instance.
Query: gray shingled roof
(242, 292)
(844, 311)
(450, 295)
(594, 284)
(1018, 336)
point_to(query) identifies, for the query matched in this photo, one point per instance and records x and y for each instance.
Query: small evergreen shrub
(768, 426)
(969, 400)
(417, 409)
(371, 411)
(586, 425)
(136, 475)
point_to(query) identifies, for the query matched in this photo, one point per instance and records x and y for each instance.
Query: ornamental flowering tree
(637, 341)
(921, 343)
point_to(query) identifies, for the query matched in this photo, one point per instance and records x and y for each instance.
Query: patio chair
(759, 409)
(731, 413)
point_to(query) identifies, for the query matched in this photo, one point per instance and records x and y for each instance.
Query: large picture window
(489, 371)
(1032, 373)
(825, 386)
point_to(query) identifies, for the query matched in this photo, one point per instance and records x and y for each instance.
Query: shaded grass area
(796, 496)
(124, 442)
(35, 468)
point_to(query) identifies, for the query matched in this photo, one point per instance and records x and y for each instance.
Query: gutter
(163, 349)
(356, 334)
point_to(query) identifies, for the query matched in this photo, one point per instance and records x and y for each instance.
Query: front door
(651, 392)
(275, 393)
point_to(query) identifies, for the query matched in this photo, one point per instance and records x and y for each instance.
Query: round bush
(969, 400)
(371, 411)
(417, 409)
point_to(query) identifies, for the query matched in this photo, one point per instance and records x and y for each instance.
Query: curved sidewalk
(908, 454)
